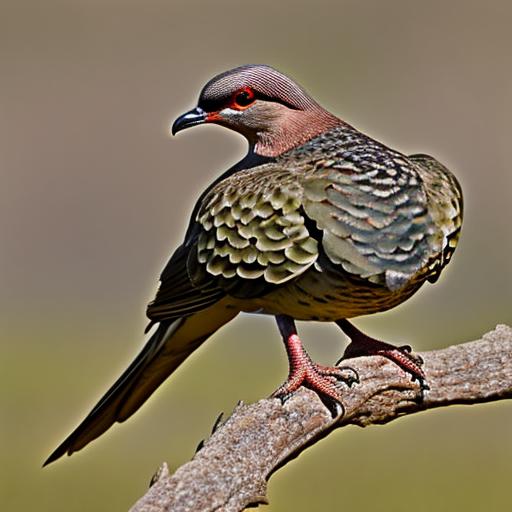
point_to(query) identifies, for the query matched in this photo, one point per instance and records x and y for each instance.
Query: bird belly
(324, 297)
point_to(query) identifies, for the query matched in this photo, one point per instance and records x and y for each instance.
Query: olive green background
(95, 195)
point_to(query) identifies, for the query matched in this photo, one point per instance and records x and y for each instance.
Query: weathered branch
(231, 470)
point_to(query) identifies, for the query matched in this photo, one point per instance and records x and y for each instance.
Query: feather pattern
(253, 228)
(445, 205)
(378, 217)
(372, 208)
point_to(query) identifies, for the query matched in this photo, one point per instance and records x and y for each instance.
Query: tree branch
(231, 469)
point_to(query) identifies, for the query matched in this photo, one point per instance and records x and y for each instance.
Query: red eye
(243, 98)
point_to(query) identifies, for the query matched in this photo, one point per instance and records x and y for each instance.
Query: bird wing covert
(374, 218)
(252, 228)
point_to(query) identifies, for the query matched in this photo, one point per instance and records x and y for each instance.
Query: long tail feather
(167, 348)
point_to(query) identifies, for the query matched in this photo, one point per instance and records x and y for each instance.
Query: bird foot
(324, 380)
(363, 345)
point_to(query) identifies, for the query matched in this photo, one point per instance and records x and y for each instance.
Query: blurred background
(95, 195)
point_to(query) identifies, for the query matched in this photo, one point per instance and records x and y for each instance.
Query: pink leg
(363, 345)
(304, 372)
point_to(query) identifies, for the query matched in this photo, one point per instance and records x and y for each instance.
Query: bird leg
(304, 372)
(363, 345)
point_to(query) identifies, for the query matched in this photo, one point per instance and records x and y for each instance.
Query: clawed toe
(363, 345)
(347, 375)
(325, 380)
(282, 395)
(417, 358)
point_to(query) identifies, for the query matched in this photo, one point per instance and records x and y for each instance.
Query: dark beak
(191, 118)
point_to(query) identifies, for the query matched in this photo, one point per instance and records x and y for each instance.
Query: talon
(345, 374)
(351, 376)
(281, 396)
(424, 386)
(335, 408)
(419, 359)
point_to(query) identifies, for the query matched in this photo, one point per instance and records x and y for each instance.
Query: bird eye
(243, 98)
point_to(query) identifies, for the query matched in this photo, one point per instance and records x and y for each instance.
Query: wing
(445, 203)
(373, 212)
(252, 232)
(177, 295)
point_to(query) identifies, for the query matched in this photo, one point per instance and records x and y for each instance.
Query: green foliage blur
(95, 195)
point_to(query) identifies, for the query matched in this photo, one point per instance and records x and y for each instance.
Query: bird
(318, 222)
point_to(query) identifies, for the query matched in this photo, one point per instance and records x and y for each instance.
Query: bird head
(268, 108)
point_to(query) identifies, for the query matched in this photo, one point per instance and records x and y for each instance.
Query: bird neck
(293, 130)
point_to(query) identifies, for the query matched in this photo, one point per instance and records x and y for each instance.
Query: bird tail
(167, 348)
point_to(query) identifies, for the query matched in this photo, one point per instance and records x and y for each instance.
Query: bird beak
(191, 118)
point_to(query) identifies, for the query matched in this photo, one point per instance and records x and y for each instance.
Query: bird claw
(281, 396)
(363, 345)
(409, 362)
(349, 375)
(335, 407)
(422, 383)
(407, 349)
(324, 380)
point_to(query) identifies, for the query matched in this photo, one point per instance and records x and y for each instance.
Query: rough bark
(231, 469)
